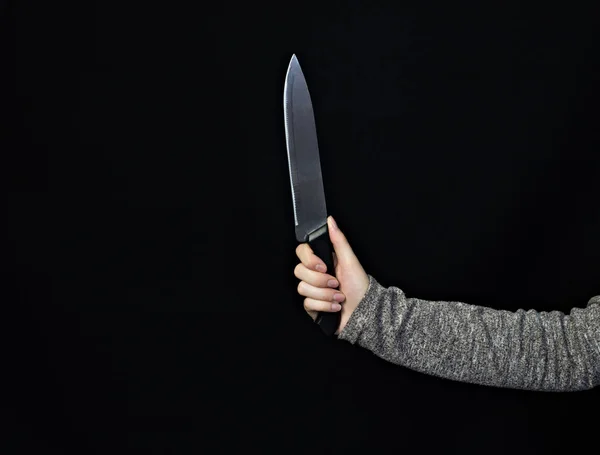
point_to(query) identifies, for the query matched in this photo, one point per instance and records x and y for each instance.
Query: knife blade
(308, 195)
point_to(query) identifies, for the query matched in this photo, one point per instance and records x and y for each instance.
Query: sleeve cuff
(364, 314)
(595, 299)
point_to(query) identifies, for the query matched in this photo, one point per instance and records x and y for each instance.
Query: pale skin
(325, 292)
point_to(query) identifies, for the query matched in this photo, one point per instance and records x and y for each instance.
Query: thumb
(342, 248)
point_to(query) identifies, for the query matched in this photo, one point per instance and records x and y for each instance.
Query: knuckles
(306, 305)
(300, 249)
(297, 269)
(300, 287)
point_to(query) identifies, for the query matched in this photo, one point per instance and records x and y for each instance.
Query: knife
(308, 196)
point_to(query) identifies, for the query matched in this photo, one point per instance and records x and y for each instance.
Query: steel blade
(308, 196)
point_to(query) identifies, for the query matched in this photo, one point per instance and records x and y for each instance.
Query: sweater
(541, 351)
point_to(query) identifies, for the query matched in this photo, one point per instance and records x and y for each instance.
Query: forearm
(532, 350)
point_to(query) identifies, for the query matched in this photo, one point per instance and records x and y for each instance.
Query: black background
(151, 248)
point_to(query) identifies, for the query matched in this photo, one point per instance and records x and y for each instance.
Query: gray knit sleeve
(546, 351)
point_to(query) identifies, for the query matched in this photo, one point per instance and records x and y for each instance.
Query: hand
(324, 291)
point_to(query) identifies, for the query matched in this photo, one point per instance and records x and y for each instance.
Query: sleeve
(544, 351)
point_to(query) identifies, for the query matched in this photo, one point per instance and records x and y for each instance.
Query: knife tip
(293, 66)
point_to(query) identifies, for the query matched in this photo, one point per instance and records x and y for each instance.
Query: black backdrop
(151, 242)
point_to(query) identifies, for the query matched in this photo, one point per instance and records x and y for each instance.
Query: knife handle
(321, 245)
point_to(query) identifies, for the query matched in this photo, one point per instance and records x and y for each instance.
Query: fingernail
(336, 306)
(333, 223)
(321, 268)
(339, 297)
(332, 283)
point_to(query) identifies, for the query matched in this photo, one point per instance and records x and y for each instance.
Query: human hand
(325, 292)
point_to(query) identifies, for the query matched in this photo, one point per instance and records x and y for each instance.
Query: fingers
(317, 279)
(316, 285)
(310, 259)
(340, 243)
(312, 305)
(323, 294)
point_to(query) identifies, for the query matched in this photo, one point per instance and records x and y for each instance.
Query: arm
(546, 351)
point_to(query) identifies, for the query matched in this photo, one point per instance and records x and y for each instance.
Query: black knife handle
(321, 245)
